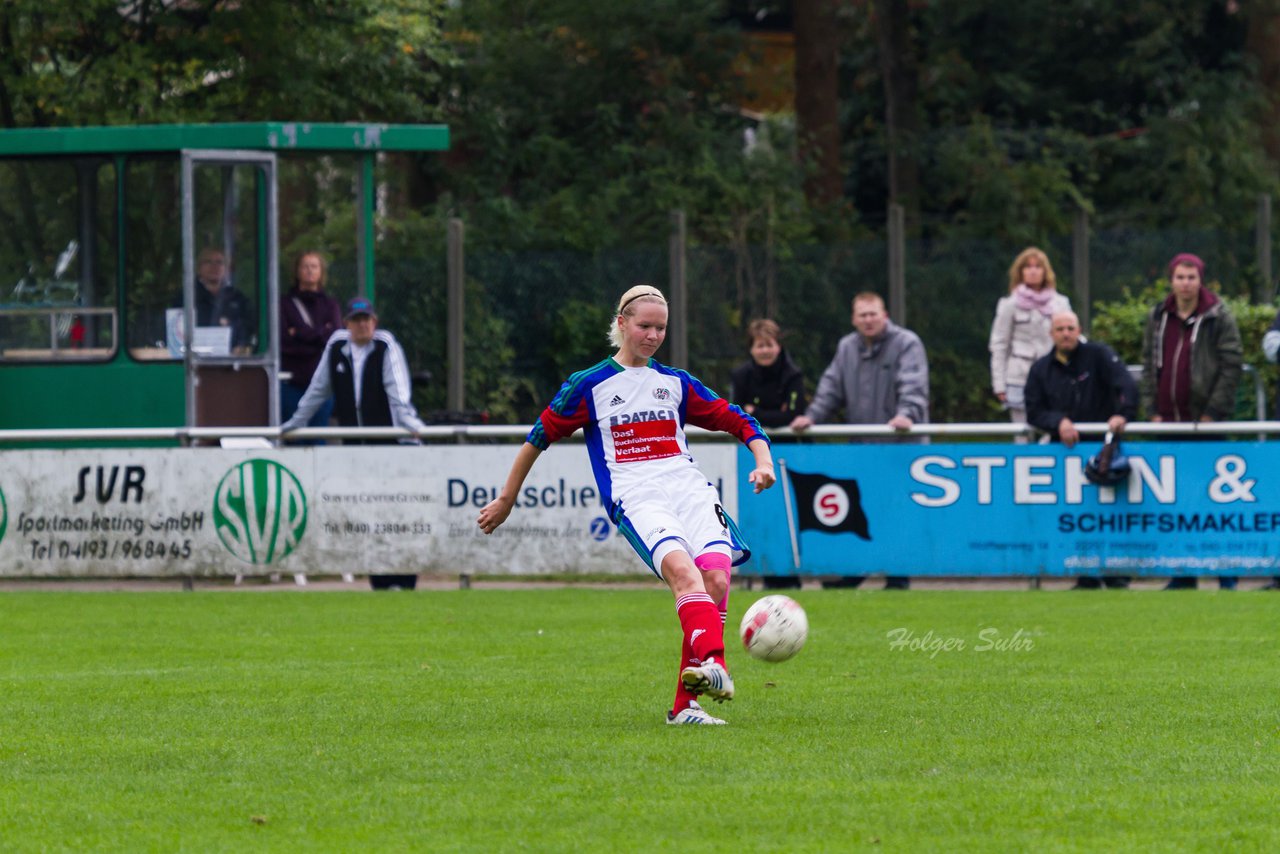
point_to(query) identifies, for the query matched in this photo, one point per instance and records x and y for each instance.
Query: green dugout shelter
(100, 231)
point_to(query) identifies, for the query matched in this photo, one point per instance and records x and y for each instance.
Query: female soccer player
(632, 410)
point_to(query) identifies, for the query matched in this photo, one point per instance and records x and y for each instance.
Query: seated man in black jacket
(1079, 381)
(219, 303)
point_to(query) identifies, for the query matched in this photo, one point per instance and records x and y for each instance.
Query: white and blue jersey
(633, 420)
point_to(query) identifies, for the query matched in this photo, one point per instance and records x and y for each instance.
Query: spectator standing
(1191, 361)
(633, 410)
(879, 375)
(1271, 349)
(1020, 330)
(1079, 381)
(770, 388)
(365, 372)
(308, 318)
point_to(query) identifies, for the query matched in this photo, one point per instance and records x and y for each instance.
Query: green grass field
(534, 719)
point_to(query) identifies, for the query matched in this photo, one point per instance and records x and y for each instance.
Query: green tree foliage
(1146, 116)
(578, 129)
(586, 124)
(1032, 109)
(123, 61)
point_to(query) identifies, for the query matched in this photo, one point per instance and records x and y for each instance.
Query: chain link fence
(533, 317)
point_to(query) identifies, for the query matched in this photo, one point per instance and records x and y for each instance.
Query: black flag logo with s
(831, 505)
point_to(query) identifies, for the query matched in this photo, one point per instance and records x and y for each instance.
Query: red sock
(703, 633)
(683, 695)
(700, 622)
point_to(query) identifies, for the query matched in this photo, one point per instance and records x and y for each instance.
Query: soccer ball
(774, 628)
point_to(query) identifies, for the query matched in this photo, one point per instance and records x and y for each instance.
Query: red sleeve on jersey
(553, 426)
(704, 409)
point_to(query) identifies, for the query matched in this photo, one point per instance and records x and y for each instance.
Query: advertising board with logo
(325, 510)
(1190, 508)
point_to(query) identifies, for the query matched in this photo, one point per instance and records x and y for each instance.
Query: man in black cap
(365, 371)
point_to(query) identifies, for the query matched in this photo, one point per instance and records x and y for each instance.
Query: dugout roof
(254, 136)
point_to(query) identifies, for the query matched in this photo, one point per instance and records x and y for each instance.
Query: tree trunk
(818, 100)
(1262, 42)
(899, 70)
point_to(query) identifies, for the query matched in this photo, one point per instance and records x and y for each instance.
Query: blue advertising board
(1186, 508)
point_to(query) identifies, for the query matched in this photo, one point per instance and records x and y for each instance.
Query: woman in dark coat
(308, 316)
(769, 386)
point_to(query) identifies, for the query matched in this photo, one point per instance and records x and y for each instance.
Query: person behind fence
(365, 372)
(879, 375)
(220, 303)
(1020, 330)
(1080, 381)
(633, 410)
(308, 318)
(770, 388)
(1271, 349)
(1191, 361)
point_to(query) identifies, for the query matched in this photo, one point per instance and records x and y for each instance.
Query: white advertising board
(215, 511)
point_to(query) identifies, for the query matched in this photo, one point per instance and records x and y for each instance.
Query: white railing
(488, 432)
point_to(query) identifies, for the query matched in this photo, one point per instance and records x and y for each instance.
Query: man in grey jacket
(880, 375)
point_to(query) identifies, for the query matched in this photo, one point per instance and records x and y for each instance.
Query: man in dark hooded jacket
(1191, 359)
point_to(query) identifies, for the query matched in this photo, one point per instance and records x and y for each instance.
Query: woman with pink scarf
(1020, 331)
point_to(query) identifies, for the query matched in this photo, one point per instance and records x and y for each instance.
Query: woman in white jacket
(1020, 331)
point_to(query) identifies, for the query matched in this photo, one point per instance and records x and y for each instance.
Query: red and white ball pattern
(774, 628)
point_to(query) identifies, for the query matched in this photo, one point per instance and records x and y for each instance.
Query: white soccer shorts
(677, 513)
